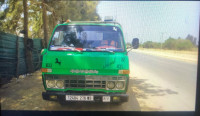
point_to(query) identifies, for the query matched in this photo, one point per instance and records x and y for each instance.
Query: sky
(154, 20)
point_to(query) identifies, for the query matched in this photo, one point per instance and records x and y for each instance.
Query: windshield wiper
(106, 50)
(109, 51)
(78, 50)
(68, 48)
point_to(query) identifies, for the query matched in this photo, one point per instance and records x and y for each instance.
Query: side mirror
(135, 43)
(43, 51)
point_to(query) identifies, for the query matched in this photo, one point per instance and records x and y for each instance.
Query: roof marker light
(108, 18)
(68, 20)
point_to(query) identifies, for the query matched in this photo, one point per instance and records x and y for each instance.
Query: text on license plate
(79, 98)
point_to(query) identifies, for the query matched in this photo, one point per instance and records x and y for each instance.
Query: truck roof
(94, 23)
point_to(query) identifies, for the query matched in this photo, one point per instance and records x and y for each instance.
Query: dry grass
(188, 56)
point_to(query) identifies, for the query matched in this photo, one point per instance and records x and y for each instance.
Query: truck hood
(83, 63)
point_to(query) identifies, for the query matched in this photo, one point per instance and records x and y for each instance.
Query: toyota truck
(86, 62)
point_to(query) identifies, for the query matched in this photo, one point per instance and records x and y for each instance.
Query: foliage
(11, 20)
(171, 44)
(192, 39)
(81, 10)
(150, 44)
(128, 44)
(178, 44)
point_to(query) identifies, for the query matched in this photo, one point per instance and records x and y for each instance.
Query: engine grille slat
(85, 83)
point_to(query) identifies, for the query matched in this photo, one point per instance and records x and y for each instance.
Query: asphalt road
(172, 82)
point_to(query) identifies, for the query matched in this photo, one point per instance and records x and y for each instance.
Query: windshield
(87, 38)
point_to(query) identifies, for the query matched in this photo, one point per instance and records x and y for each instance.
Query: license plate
(79, 98)
(106, 98)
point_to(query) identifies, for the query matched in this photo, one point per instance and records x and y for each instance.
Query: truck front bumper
(98, 97)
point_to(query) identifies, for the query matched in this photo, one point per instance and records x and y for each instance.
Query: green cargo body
(86, 73)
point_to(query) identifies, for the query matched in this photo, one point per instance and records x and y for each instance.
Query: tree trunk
(54, 20)
(28, 53)
(44, 18)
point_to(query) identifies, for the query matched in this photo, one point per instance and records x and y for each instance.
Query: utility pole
(28, 53)
(161, 39)
(139, 37)
(116, 14)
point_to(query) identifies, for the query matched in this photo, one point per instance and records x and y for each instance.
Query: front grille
(84, 81)
(78, 83)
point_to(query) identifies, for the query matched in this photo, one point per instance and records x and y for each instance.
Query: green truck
(86, 61)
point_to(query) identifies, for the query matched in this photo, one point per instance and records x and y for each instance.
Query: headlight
(111, 84)
(60, 84)
(50, 83)
(120, 85)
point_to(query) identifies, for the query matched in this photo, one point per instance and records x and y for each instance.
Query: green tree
(29, 62)
(178, 44)
(170, 43)
(12, 17)
(44, 17)
(192, 39)
(128, 45)
(150, 44)
(183, 44)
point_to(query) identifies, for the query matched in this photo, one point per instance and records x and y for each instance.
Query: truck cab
(86, 61)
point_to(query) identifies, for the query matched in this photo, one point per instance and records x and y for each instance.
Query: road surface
(162, 83)
(156, 84)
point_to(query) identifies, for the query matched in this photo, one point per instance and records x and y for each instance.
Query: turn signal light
(124, 72)
(53, 97)
(116, 98)
(46, 70)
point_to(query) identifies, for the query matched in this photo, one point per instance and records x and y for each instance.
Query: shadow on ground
(143, 89)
